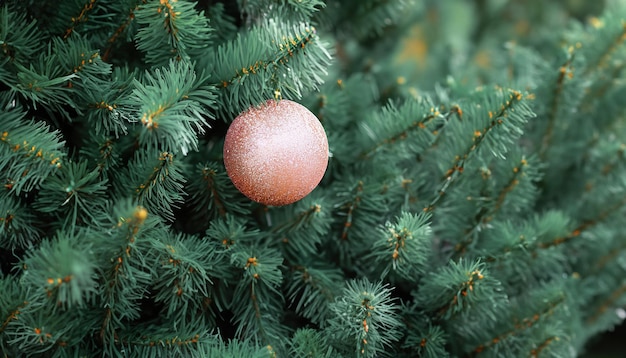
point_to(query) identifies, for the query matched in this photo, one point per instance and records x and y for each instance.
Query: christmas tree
(473, 203)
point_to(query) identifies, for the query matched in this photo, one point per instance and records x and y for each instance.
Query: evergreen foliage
(473, 204)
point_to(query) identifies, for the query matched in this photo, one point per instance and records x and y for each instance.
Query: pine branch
(297, 10)
(584, 226)
(610, 301)
(121, 29)
(63, 269)
(361, 204)
(187, 269)
(307, 342)
(515, 184)
(81, 17)
(565, 71)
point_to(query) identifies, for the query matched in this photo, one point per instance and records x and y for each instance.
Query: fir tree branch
(120, 30)
(361, 205)
(600, 309)
(302, 227)
(173, 107)
(536, 352)
(518, 188)
(19, 226)
(313, 287)
(365, 319)
(171, 29)
(564, 71)
(13, 315)
(256, 302)
(29, 151)
(280, 60)
(520, 325)
(460, 287)
(213, 195)
(402, 247)
(603, 57)
(392, 126)
(19, 38)
(75, 195)
(81, 17)
(586, 225)
(156, 183)
(128, 270)
(500, 128)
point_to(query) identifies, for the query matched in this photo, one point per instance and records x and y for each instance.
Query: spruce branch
(276, 59)
(81, 17)
(171, 29)
(257, 302)
(554, 113)
(365, 319)
(186, 267)
(529, 320)
(514, 190)
(361, 204)
(63, 269)
(104, 153)
(121, 29)
(370, 18)
(212, 193)
(423, 336)
(19, 38)
(19, 226)
(13, 301)
(173, 106)
(29, 151)
(312, 288)
(129, 265)
(301, 227)
(223, 23)
(74, 194)
(509, 247)
(44, 84)
(403, 246)
(494, 125)
(307, 342)
(155, 180)
(298, 10)
(459, 287)
(411, 123)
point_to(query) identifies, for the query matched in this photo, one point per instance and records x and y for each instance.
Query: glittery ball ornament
(276, 154)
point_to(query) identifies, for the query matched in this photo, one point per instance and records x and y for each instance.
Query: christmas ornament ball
(277, 153)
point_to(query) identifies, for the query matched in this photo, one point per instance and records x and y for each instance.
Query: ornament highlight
(276, 154)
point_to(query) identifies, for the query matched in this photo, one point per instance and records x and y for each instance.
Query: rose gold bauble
(277, 153)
